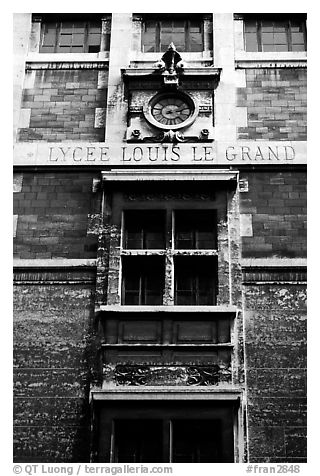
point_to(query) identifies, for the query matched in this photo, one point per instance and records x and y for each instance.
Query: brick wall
(275, 340)
(55, 213)
(63, 105)
(276, 101)
(52, 372)
(276, 204)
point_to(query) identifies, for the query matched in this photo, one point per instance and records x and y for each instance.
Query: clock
(171, 110)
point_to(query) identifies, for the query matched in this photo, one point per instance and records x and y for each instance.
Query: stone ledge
(184, 309)
(53, 263)
(273, 262)
(167, 393)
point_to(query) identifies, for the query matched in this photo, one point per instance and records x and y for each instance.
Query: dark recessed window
(138, 441)
(275, 34)
(196, 441)
(195, 280)
(195, 229)
(175, 432)
(186, 34)
(70, 37)
(142, 280)
(144, 229)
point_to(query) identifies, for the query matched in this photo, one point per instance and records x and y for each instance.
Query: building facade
(160, 237)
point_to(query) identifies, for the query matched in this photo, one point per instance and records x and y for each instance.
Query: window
(195, 280)
(144, 229)
(175, 432)
(186, 34)
(71, 36)
(151, 238)
(275, 34)
(142, 280)
(195, 229)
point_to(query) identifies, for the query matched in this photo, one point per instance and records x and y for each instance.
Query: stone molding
(68, 64)
(274, 271)
(53, 263)
(168, 393)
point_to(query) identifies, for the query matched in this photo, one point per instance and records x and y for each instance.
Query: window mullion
(58, 30)
(186, 35)
(259, 36)
(158, 36)
(86, 38)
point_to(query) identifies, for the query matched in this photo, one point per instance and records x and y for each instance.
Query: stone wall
(276, 101)
(54, 215)
(275, 204)
(52, 370)
(59, 105)
(275, 334)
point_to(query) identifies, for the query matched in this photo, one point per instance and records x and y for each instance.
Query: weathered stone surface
(54, 361)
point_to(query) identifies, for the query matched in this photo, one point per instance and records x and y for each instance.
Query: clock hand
(181, 109)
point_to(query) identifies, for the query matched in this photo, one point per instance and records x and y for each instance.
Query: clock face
(171, 110)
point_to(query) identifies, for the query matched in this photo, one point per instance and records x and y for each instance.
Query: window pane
(280, 38)
(196, 441)
(178, 26)
(166, 39)
(195, 280)
(166, 25)
(149, 37)
(298, 48)
(65, 40)
(250, 26)
(268, 48)
(138, 441)
(66, 27)
(267, 38)
(195, 229)
(49, 35)
(195, 41)
(78, 39)
(267, 26)
(297, 38)
(94, 28)
(94, 39)
(79, 27)
(143, 280)
(144, 229)
(251, 42)
(47, 49)
(195, 27)
(281, 47)
(280, 26)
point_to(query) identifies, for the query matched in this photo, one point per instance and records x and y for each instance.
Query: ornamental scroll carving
(140, 375)
(132, 374)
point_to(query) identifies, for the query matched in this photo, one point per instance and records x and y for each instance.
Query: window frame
(57, 23)
(288, 30)
(197, 274)
(158, 28)
(144, 229)
(143, 277)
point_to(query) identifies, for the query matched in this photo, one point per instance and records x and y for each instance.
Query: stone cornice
(274, 262)
(190, 71)
(245, 59)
